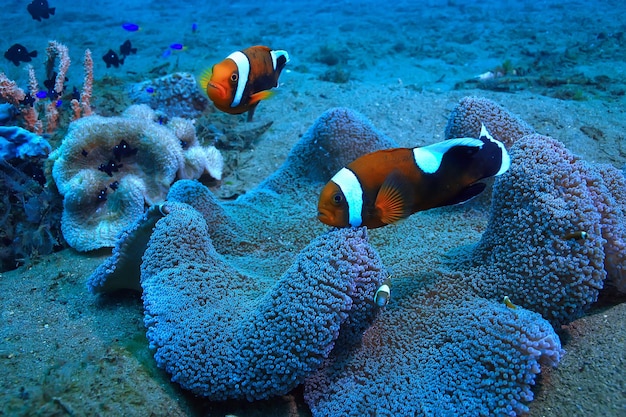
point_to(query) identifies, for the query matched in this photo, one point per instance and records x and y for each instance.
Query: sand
(65, 352)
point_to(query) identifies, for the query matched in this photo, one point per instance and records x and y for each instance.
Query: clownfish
(385, 186)
(383, 293)
(237, 84)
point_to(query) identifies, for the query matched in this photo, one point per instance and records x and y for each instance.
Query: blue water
(382, 58)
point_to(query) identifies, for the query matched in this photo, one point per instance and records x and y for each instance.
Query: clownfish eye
(337, 198)
(234, 77)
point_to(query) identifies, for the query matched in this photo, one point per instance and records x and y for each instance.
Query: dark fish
(110, 167)
(127, 49)
(50, 85)
(111, 58)
(102, 194)
(18, 53)
(29, 100)
(39, 9)
(123, 150)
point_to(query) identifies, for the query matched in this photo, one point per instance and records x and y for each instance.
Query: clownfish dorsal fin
(394, 199)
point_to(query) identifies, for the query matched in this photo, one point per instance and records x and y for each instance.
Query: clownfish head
(332, 208)
(220, 83)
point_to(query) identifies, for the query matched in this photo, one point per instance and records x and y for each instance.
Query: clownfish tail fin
(279, 59)
(394, 199)
(497, 150)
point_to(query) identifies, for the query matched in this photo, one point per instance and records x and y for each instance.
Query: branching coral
(30, 214)
(30, 103)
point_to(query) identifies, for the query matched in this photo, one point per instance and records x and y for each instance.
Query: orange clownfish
(385, 186)
(237, 84)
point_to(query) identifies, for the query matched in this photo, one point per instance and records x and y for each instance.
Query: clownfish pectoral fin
(467, 193)
(261, 95)
(205, 79)
(394, 199)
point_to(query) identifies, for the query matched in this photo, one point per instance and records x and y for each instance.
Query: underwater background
(559, 66)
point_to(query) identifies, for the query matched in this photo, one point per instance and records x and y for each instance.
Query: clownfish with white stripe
(385, 186)
(238, 83)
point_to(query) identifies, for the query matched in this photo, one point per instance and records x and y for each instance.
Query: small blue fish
(131, 27)
(41, 95)
(178, 46)
(194, 27)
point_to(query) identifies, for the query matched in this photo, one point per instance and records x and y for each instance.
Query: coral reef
(449, 345)
(121, 270)
(31, 103)
(467, 116)
(337, 137)
(7, 113)
(16, 142)
(30, 214)
(445, 342)
(438, 353)
(553, 218)
(173, 95)
(222, 334)
(110, 169)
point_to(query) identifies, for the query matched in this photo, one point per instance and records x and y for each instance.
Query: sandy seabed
(64, 351)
